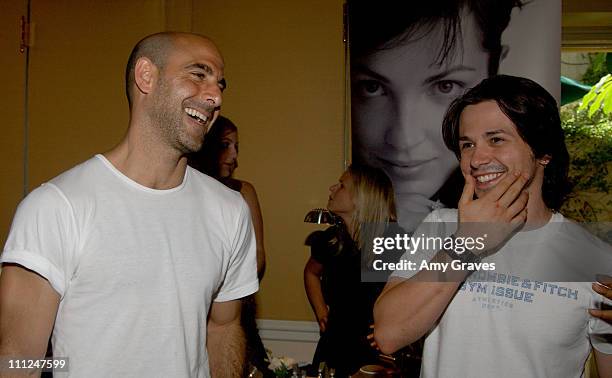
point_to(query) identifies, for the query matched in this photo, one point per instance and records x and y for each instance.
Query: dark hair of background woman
(206, 160)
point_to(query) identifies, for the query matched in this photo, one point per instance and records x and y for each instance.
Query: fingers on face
(509, 189)
(518, 209)
(468, 190)
(520, 218)
(500, 189)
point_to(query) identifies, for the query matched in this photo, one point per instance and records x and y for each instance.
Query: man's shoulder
(585, 234)
(82, 175)
(58, 198)
(442, 215)
(440, 222)
(212, 189)
(74, 180)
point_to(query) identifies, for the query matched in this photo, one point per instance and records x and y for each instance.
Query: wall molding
(296, 339)
(288, 330)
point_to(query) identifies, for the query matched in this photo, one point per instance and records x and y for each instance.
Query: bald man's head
(157, 48)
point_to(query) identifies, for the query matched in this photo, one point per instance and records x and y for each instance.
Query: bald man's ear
(145, 75)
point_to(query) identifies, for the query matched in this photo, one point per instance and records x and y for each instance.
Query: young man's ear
(544, 160)
(145, 75)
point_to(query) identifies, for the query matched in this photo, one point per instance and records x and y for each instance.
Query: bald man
(133, 262)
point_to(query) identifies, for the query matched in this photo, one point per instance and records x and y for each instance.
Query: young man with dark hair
(521, 317)
(134, 261)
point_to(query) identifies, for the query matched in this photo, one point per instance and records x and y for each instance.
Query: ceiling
(587, 25)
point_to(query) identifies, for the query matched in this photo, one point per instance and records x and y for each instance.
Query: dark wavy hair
(385, 24)
(535, 115)
(206, 160)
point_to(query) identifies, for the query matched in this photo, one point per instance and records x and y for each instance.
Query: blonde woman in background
(363, 202)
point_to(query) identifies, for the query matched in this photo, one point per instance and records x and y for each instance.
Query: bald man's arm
(28, 306)
(226, 343)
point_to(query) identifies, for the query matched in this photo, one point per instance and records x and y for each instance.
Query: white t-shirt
(510, 322)
(136, 268)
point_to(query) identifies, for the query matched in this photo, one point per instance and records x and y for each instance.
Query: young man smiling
(524, 319)
(134, 261)
(409, 61)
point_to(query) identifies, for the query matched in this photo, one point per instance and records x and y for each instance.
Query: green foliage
(599, 98)
(596, 70)
(589, 141)
(588, 129)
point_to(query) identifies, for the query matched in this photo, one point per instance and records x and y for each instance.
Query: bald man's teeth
(196, 115)
(487, 178)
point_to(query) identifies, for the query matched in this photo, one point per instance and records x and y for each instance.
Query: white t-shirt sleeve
(43, 236)
(431, 226)
(241, 276)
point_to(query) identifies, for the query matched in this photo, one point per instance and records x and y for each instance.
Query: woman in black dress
(363, 201)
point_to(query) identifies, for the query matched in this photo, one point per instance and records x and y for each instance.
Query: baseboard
(290, 338)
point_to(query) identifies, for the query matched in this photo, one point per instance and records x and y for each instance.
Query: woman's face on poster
(399, 97)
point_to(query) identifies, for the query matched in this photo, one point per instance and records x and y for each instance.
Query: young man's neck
(143, 159)
(538, 214)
